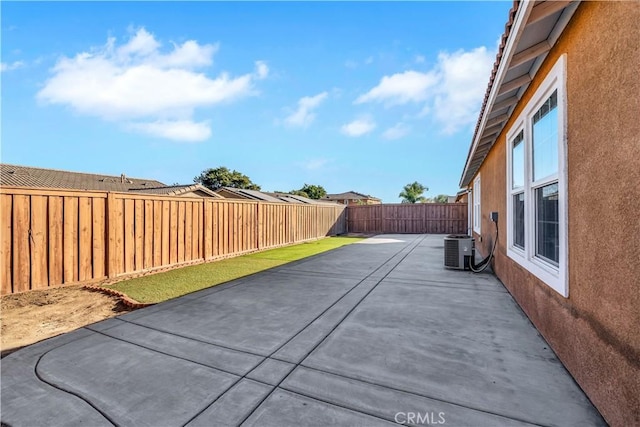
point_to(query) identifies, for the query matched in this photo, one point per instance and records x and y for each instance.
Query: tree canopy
(412, 193)
(219, 177)
(311, 191)
(440, 198)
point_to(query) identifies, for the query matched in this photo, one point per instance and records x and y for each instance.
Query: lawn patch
(171, 284)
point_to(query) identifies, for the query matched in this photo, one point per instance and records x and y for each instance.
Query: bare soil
(33, 316)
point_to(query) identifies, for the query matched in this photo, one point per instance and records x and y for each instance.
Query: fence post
(346, 220)
(259, 225)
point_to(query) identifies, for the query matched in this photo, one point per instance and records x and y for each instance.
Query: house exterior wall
(596, 330)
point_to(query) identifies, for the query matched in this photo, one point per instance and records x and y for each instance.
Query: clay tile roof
(496, 64)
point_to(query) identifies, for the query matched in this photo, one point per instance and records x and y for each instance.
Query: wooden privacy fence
(434, 218)
(50, 237)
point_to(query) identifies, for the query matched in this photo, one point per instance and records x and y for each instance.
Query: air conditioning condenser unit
(458, 250)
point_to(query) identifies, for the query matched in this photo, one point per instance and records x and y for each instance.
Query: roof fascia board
(514, 37)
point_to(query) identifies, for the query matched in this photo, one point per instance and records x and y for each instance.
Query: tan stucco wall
(596, 331)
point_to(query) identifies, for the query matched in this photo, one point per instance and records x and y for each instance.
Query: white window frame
(556, 277)
(477, 205)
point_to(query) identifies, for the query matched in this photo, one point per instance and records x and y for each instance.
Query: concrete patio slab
(375, 333)
(283, 408)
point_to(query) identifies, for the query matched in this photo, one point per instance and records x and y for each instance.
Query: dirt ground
(33, 316)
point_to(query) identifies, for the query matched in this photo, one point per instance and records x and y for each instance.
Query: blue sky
(351, 96)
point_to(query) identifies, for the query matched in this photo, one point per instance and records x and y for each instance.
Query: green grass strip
(171, 284)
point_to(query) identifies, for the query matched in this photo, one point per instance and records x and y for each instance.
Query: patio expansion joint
(425, 396)
(317, 399)
(292, 272)
(239, 377)
(270, 356)
(415, 243)
(57, 387)
(215, 344)
(441, 284)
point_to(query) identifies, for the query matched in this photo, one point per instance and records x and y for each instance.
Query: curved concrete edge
(126, 299)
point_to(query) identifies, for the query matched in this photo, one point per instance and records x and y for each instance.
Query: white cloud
(358, 127)
(464, 79)
(314, 164)
(396, 132)
(420, 59)
(13, 66)
(451, 92)
(262, 70)
(369, 60)
(138, 82)
(401, 88)
(304, 115)
(177, 130)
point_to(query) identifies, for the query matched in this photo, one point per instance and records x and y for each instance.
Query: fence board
(53, 237)
(85, 244)
(195, 231)
(6, 212)
(116, 236)
(139, 230)
(99, 234)
(208, 230)
(222, 218)
(70, 240)
(173, 230)
(449, 218)
(188, 234)
(38, 242)
(148, 234)
(165, 232)
(157, 233)
(129, 235)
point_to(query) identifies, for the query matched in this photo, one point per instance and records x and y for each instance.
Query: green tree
(217, 178)
(412, 193)
(311, 191)
(299, 193)
(441, 198)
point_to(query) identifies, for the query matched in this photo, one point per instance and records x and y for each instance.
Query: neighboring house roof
(351, 195)
(26, 176)
(533, 27)
(178, 190)
(249, 194)
(294, 198)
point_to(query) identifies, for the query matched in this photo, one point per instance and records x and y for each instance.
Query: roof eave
(488, 130)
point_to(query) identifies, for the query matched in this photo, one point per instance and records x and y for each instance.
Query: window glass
(517, 161)
(518, 220)
(547, 223)
(545, 138)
